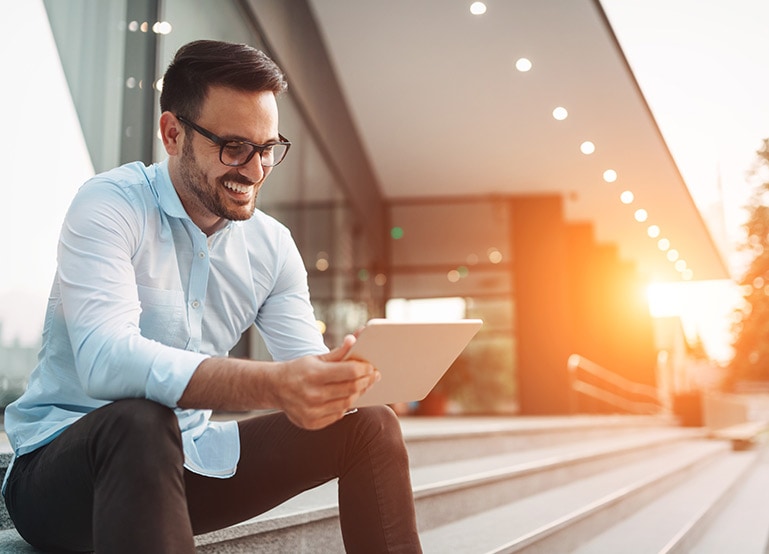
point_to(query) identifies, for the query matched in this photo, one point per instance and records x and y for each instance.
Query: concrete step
(561, 518)
(673, 520)
(741, 525)
(436, 440)
(460, 467)
(448, 491)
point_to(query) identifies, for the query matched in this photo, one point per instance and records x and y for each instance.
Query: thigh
(91, 483)
(49, 494)
(278, 460)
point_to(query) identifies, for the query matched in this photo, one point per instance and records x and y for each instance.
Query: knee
(382, 423)
(142, 424)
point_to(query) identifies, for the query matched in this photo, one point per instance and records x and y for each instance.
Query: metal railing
(626, 388)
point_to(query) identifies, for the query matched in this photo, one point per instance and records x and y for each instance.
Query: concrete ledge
(743, 436)
(12, 543)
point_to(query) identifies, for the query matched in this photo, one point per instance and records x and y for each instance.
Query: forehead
(252, 115)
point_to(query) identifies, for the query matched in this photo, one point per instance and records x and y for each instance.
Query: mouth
(238, 187)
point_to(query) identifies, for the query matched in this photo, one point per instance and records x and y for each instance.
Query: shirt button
(201, 254)
(195, 304)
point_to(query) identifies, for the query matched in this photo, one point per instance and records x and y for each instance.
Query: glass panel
(190, 20)
(38, 190)
(90, 37)
(461, 249)
(420, 284)
(450, 233)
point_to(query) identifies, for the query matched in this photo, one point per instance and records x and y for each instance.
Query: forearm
(230, 384)
(313, 391)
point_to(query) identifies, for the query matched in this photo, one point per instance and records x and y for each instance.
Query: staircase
(583, 484)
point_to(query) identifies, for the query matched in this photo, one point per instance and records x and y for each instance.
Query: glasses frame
(222, 142)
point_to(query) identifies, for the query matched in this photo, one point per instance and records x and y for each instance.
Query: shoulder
(117, 201)
(126, 187)
(123, 179)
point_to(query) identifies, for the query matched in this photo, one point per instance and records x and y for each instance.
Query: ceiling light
(587, 147)
(477, 8)
(609, 175)
(672, 254)
(162, 27)
(663, 244)
(641, 215)
(680, 265)
(653, 231)
(523, 65)
(560, 113)
(627, 197)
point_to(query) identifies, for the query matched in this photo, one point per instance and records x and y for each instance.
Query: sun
(706, 310)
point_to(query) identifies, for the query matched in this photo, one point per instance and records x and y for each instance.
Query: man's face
(211, 192)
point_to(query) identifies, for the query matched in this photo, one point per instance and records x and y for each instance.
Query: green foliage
(751, 346)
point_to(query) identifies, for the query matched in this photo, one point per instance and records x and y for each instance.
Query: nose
(254, 171)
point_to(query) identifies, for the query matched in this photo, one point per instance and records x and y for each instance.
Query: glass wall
(461, 249)
(39, 181)
(91, 41)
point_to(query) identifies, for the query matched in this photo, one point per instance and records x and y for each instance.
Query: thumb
(340, 352)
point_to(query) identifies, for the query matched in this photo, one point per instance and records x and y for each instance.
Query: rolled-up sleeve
(100, 238)
(286, 319)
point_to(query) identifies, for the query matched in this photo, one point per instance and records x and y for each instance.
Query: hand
(316, 391)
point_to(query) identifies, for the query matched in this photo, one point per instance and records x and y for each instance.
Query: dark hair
(201, 64)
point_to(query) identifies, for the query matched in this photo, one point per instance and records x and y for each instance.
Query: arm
(313, 391)
(97, 283)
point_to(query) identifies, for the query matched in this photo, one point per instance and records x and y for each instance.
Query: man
(160, 270)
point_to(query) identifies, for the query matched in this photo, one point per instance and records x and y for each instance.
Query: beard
(207, 194)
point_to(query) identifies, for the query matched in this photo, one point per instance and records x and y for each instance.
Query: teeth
(237, 187)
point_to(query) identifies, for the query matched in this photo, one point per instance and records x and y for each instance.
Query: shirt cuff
(170, 374)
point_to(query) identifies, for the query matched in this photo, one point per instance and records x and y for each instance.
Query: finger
(340, 352)
(342, 372)
(322, 416)
(349, 389)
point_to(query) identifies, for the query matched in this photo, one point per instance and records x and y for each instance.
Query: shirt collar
(168, 199)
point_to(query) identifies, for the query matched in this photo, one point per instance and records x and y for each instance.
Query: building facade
(545, 287)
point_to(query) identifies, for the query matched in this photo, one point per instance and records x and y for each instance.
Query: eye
(236, 148)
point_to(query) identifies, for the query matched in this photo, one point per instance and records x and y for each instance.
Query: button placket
(197, 290)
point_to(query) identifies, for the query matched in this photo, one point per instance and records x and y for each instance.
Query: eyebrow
(249, 141)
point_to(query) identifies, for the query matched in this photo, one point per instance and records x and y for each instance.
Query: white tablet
(411, 356)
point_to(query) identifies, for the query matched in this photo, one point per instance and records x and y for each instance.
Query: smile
(237, 187)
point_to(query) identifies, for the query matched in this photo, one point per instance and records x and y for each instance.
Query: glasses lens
(235, 152)
(273, 154)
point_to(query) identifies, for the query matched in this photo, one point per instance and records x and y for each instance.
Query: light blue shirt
(142, 296)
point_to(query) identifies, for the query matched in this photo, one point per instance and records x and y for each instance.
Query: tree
(751, 344)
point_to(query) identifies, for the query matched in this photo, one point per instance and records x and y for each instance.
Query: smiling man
(160, 270)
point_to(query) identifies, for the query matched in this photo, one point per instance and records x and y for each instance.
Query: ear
(170, 133)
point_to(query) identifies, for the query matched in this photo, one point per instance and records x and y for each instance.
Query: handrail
(627, 386)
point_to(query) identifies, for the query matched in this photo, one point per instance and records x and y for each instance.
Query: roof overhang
(442, 111)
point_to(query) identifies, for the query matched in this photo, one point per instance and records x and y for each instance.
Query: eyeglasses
(235, 153)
